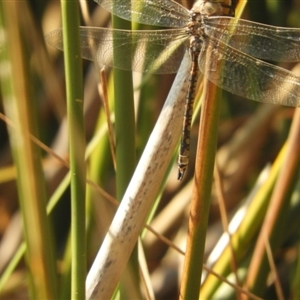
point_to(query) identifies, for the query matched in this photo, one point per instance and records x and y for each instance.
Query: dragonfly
(229, 52)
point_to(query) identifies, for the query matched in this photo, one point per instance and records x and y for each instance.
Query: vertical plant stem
(20, 108)
(205, 158)
(204, 166)
(125, 120)
(125, 151)
(73, 70)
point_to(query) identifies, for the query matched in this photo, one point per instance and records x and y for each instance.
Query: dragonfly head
(215, 7)
(208, 7)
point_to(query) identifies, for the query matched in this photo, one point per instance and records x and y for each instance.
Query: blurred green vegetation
(251, 138)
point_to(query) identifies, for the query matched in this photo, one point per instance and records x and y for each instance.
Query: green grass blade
(125, 152)
(21, 110)
(73, 71)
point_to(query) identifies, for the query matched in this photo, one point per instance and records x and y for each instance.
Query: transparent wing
(155, 51)
(259, 40)
(248, 77)
(164, 13)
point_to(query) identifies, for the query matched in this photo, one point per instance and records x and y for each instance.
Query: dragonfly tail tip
(181, 172)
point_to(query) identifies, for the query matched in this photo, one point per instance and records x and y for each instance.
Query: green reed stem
(73, 71)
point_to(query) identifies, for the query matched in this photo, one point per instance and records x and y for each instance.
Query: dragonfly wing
(164, 13)
(248, 77)
(158, 52)
(259, 40)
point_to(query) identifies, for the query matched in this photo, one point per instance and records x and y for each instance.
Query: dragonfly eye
(230, 9)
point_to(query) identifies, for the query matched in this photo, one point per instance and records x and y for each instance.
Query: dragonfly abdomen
(184, 153)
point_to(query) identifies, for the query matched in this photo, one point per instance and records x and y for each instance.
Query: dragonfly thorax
(195, 26)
